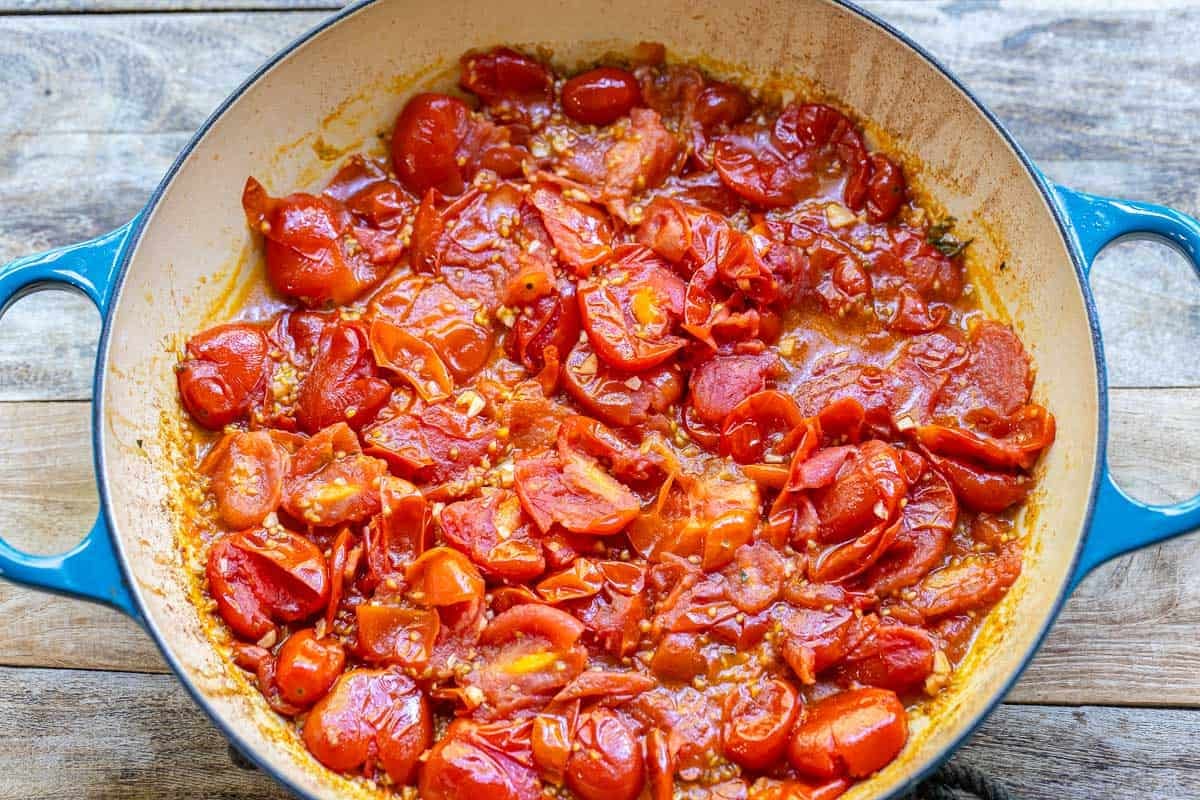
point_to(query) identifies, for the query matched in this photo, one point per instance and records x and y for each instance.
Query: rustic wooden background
(96, 98)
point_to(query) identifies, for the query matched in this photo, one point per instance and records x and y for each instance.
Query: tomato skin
(258, 577)
(581, 232)
(629, 312)
(342, 385)
(246, 473)
(852, 733)
(600, 96)
(504, 75)
(758, 721)
(474, 760)
(378, 716)
(551, 321)
(572, 490)
(426, 143)
(608, 392)
(307, 666)
(224, 374)
(754, 427)
(609, 764)
(493, 531)
(660, 765)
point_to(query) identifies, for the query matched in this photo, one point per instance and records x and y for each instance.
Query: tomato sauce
(621, 435)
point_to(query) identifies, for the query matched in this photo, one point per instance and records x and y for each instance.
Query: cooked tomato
(307, 666)
(330, 481)
(616, 396)
(758, 720)
(314, 251)
(852, 734)
(607, 765)
(246, 473)
(571, 489)
(472, 758)
(493, 530)
(600, 96)
(630, 310)
(582, 234)
(651, 430)
(262, 576)
(503, 78)
(342, 385)
(377, 719)
(224, 374)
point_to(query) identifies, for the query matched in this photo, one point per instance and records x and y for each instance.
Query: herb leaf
(943, 240)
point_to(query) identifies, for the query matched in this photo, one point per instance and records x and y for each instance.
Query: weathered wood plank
(1136, 615)
(107, 735)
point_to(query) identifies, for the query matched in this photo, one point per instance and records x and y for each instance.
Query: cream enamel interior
(344, 86)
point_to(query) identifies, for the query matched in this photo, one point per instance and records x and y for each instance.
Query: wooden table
(96, 99)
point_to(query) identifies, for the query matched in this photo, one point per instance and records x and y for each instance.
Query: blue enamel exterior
(1120, 523)
(90, 569)
(95, 570)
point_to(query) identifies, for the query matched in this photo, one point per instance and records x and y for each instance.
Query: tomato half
(616, 396)
(261, 576)
(371, 718)
(224, 374)
(246, 473)
(572, 490)
(343, 384)
(758, 721)
(330, 481)
(493, 530)
(607, 765)
(307, 666)
(493, 760)
(852, 733)
(631, 308)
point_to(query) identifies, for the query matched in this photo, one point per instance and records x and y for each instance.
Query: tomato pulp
(620, 435)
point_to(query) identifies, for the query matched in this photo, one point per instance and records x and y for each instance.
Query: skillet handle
(90, 569)
(1120, 523)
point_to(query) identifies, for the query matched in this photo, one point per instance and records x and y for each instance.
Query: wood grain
(108, 735)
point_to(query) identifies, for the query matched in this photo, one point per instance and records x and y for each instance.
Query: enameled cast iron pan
(153, 281)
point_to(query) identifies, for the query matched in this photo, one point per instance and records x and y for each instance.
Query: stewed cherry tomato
(600, 96)
(224, 374)
(607, 765)
(850, 734)
(307, 666)
(758, 721)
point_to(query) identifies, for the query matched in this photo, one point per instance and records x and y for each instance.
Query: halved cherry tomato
(529, 652)
(927, 521)
(492, 760)
(552, 321)
(852, 733)
(343, 383)
(330, 481)
(224, 374)
(600, 96)
(582, 234)
(438, 145)
(412, 359)
(437, 315)
(608, 763)
(263, 576)
(503, 76)
(393, 634)
(371, 718)
(822, 136)
(307, 666)
(758, 721)
(976, 582)
(246, 473)
(630, 310)
(750, 164)
(979, 488)
(718, 385)
(885, 189)
(572, 490)
(441, 442)
(399, 534)
(313, 251)
(363, 185)
(756, 426)
(615, 396)
(442, 577)
(493, 531)
(896, 657)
